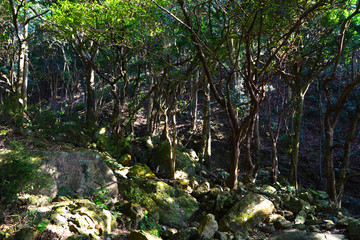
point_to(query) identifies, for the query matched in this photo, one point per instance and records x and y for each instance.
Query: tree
(249, 26)
(22, 13)
(333, 110)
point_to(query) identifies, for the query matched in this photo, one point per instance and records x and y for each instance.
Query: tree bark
(90, 89)
(345, 161)
(206, 131)
(194, 103)
(296, 140)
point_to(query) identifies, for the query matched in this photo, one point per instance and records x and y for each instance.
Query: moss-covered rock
(246, 213)
(279, 221)
(140, 170)
(208, 226)
(174, 206)
(125, 160)
(142, 235)
(295, 205)
(185, 160)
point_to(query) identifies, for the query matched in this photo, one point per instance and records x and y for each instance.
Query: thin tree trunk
(329, 165)
(256, 141)
(150, 106)
(345, 161)
(206, 131)
(90, 89)
(194, 102)
(249, 163)
(296, 140)
(234, 161)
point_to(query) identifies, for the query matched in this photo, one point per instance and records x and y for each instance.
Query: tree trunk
(345, 161)
(194, 103)
(90, 89)
(329, 164)
(150, 106)
(256, 142)
(22, 71)
(296, 140)
(234, 160)
(249, 162)
(206, 131)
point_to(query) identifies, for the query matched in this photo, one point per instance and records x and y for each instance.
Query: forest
(197, 119)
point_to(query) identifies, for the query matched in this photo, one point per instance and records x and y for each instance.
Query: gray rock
(81, 216)
(201, 189)
(186, 234)
(268, 228)
(220, 235)
(295, 205)
(135, 212)
(168, 232)
(246, 213)
(142, 235)
(265, 190)
(282, 223)
(208, 226)
(83, 173)
(302, 235)
(300, 217)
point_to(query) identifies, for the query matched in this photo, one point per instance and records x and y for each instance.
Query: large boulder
(185, 160)
(172, 206)
(83, 173)
(247, 213)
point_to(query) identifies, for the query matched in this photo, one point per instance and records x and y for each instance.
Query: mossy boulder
(174, 206)
(279, 221)
(296, 205)
(246, 213)
(208, 226)
(185, 160)
(142, 235)
(140, 170)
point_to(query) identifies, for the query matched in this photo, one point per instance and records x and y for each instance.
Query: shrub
(19, 171)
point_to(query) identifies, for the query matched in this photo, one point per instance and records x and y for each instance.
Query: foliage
(148, 224)
(101, 199)
(19, 169)
(56, 126)
(12, 113)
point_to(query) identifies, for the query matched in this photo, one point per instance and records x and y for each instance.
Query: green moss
(141, 170)
(174, 205)
(184, 161)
